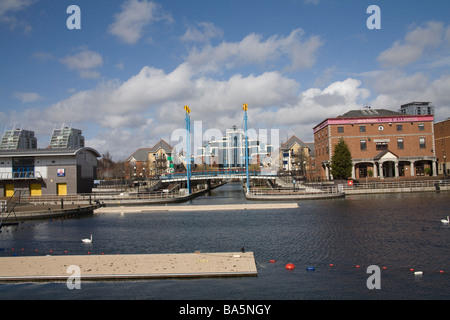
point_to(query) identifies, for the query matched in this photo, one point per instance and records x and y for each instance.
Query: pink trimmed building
(383, 144)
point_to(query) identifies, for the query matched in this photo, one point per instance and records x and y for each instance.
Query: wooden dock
(128, 266)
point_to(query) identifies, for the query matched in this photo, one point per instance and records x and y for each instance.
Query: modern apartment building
(383, 143)
(66, 137)
(229, 150)
(18, 139)
(417, 108)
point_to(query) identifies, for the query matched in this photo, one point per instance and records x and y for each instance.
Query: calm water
(397, 231)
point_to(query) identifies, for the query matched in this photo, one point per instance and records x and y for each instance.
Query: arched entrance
(389, 169)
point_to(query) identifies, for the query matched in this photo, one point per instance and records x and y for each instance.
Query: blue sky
(124, 77)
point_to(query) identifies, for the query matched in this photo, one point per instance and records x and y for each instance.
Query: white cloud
(201, 32)
(413, 47)
(8, 11)
(85, 62)
(252, 49)
(135, 15)
(26, 97)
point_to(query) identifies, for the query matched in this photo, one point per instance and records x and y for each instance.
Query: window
(421, 127)
(399, 127)
(400, 143)
(363, 145)
(340, 129)
(362, 128)
(381, 146)
(422, 143)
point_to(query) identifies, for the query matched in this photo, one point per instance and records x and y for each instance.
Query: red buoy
(290, 266)
(272, 261)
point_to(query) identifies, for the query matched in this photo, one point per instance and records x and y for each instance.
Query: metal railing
(397, 184)
(295, 191)
(339, 188)
(22, 175)
(227, 173)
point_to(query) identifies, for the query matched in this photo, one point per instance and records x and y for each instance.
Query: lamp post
(188, 147)
(245, 108)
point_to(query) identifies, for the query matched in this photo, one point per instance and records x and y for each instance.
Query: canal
(337, 239)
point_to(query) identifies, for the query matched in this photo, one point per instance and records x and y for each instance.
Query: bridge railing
(217, 173)
(294, 191)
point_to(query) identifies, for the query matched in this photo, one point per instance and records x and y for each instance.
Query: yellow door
(35, 189)
(62, 189)
(9, 190)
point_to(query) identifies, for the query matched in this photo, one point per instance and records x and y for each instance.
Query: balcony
(23, 175)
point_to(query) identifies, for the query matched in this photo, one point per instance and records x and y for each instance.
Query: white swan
(445, 221)
(87, 240)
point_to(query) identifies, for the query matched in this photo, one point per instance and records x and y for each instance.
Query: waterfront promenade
(224, 207)
(128, 266)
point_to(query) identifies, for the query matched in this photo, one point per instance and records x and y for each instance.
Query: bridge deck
(220, 174)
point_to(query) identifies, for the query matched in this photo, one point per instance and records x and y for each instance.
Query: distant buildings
(147, 162)
(66, 137)
(296, 157)
(383, 143)
(18, 139)
(417, 108)
(229, 151)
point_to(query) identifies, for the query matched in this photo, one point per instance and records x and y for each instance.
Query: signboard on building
(61, 172)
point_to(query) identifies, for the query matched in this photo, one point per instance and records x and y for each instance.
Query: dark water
(395, 231)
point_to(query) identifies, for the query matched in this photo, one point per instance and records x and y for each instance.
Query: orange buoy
(290, 266)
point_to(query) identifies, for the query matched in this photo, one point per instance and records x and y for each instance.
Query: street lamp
(245, 108)
(188, 147)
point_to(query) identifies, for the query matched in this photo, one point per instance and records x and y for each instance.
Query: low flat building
(383, 143)
(47, 171)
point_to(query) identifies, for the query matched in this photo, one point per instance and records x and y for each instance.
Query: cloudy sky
(124, 77)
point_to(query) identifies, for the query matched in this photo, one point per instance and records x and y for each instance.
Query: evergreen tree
(341, 161)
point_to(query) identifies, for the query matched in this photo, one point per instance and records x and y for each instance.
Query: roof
(292, 141)
(364, 113)
(383, 153)
(48, 152)
(141, 154)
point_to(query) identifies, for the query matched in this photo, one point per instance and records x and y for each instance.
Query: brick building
(297, 157)
(149, 162)
(442, 142)
(383, 143)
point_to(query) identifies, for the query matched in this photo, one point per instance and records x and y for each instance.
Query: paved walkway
(245, 206)
(141, 266)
